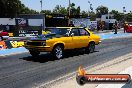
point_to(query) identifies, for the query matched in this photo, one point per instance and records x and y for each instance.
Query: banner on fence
(80, 22)
(28, 33)
(93, 25)
(10, 34)
(16, 44)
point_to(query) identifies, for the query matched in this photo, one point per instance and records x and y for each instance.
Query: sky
(50, 4)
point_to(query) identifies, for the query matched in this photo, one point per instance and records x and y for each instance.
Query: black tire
(34, 53)
(81, 80)
(90, 48)
(57, 52)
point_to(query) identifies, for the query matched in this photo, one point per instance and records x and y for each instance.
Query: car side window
(83, 32)
(75, 32)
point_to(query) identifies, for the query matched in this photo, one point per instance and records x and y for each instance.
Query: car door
(84, 37)
(67, 39)
(75, 38)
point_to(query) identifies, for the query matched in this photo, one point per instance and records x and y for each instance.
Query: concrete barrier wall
(8, 44)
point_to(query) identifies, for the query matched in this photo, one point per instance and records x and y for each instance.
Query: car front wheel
(58, 52)
(90, 48)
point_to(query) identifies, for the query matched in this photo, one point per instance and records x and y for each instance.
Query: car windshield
(55, 32)
(58, 31)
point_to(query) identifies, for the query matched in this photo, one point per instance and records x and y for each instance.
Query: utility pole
(88, 9)
(124, 10)
(69, 11)
(42, 25)
(41, 2)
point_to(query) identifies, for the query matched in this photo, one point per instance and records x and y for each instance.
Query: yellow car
(58, 39)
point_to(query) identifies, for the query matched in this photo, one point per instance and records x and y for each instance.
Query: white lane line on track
(73, 74)
(68, 76)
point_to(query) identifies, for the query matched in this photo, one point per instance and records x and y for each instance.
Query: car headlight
(25, 43)
(43, 43)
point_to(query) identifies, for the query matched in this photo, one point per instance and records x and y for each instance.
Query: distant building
(24, 24)
(107, 19)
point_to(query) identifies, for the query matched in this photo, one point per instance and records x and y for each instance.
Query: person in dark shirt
(125, 26)
(115, 27)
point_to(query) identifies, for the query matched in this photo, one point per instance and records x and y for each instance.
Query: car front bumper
(38, 48)
(97, 43)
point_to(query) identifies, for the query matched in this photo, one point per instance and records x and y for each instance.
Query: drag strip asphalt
(24, 71)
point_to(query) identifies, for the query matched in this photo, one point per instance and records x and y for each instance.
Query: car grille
(35, 43)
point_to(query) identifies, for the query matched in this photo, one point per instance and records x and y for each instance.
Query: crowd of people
(115, 26)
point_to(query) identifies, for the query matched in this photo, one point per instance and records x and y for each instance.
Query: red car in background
(2, 34)
(128, 27)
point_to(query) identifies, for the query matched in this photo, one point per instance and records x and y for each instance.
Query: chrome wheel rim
(58, 52)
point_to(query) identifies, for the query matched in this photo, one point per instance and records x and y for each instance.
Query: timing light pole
(88, 8)
(42, 14)
(69, 7)
(69, 11)
(124, 10)
(41, 2)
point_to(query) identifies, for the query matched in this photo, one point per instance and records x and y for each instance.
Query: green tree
(74, 10)
(117, 15)
(59, 10)
(92, 16)
(2, 8)
(11, 8)
(101, 10)
(84, 13)
(8, 8)
(25, 10)
(129, 17)
(46, 11)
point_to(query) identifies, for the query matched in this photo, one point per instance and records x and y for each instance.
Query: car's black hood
(43, 37)
(38, 39)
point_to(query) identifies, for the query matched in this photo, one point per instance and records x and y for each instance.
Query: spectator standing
(125, 26)
(102, 25)
(98, 26)
(115, 27)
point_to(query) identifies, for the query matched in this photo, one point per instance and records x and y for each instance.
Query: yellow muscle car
(58, 39)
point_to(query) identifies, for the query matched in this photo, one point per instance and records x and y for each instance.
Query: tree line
(12, 8)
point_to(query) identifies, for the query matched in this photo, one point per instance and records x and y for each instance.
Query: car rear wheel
(58, 52)
(34, 53)
(90, 48)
